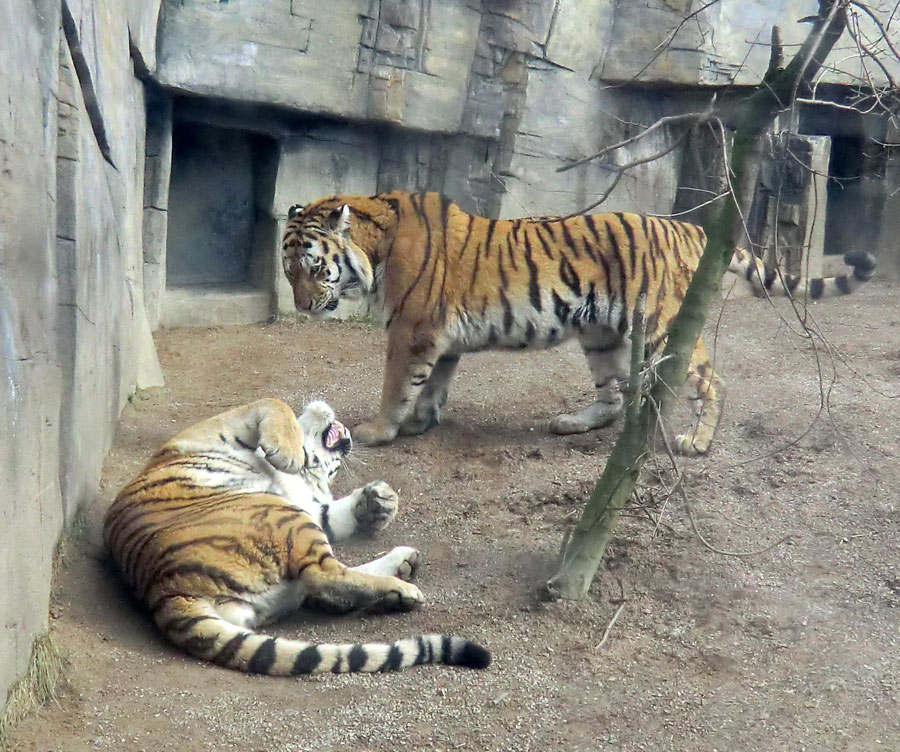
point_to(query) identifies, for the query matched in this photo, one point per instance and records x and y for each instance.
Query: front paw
(374, 432)
(376, 507)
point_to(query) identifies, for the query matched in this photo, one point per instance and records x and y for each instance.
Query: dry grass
(39, 686)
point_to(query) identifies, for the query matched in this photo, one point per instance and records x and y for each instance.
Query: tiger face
(326, 441)
(321, 261)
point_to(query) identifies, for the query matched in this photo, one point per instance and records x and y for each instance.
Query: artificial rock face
(74, 338)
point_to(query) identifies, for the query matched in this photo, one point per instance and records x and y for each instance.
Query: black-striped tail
(766, 279)
(195, 627)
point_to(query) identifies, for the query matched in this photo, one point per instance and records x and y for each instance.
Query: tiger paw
(691, 445)
(376, 507)
(404, 561)
(404, 597)
(421, 421)
(375, 432)
(566, 424)
(280, 436)
(594, 416)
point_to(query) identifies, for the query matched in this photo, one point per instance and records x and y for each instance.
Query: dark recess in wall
(215, 189)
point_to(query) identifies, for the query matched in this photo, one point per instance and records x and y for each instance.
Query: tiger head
(325, 440)
(321, 261)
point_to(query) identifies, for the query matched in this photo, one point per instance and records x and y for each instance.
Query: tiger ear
(361, 266)
(295, 210)
(339, 220)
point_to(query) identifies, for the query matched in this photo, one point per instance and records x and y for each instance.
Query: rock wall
(74, 338)
(510, 78)
(542, 82)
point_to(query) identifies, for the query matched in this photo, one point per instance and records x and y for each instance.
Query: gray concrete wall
(74, 338)
(157, 173)
(31, 512)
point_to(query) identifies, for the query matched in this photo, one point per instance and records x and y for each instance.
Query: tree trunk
(750, 116)
(585, 550)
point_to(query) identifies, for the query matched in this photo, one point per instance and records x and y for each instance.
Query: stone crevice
(88, 92)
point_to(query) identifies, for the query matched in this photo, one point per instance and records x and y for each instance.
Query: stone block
(264, 52)
(579, 31)
(402, 14)
(325, 162)
(197, 306)
(521, 27)
(387, 87)
(143, 19)
(395, 41)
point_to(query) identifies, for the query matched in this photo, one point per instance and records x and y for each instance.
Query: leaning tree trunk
(750, 117)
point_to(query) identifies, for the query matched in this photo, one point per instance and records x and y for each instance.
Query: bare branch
(829, 103)
(776, 55)
(853, 31)
(610, 626)
(884, 34)
(620, 170)
(690, 117)
(818, 45)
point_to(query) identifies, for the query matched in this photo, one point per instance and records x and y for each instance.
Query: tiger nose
(300, 303)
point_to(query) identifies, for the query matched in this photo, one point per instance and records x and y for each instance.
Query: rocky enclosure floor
(794, 648)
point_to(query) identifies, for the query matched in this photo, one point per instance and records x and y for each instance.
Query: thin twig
(610, 626)
(722, 552)
(692, 117)
(679, 486)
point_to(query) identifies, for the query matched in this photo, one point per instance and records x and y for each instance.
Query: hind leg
(316, 577)
(339, 589)
(607, 357)
(705, 386)
(427, 412)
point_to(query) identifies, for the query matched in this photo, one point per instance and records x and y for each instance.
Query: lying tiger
(447, 282)
(228, 528)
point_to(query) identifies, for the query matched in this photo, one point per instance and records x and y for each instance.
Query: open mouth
(336, 438)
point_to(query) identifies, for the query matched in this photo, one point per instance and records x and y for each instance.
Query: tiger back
(446, 282)
(229, 527)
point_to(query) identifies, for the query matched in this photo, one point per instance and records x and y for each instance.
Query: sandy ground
(791, 649)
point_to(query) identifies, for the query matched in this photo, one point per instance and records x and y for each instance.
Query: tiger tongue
(334, 435)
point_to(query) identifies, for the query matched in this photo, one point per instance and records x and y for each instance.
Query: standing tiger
(228, 527)
(447, 282)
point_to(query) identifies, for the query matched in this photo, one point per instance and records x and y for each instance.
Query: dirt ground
(795, 648)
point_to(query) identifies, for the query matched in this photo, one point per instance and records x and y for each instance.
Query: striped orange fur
(228, 527)
(446, 282)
